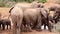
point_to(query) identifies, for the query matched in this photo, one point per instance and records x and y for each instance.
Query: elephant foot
(44, 28)
(29, 30)
(50, 29)
(38, 29)
(24, 30)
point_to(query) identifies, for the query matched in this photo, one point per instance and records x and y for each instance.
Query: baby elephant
(5, 22)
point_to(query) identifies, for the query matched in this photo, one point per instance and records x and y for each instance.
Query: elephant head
(57, 14)
(52, 8)
(37, 5)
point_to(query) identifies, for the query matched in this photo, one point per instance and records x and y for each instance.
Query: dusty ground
(34, 32)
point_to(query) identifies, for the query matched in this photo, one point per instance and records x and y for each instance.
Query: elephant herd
(26, 17)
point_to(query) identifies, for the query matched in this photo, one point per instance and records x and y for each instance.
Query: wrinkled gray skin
(17, 16)
(29, 19)
(32, 15)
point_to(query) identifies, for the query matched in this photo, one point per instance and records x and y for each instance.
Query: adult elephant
(57, 14)
(32, 16)
(17, 16)
(46, 19)
(56, 11)
(17, 13)
(36, 16)
(52, 8)
(55, 17)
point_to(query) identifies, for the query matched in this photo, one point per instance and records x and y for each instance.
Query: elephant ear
(44, 12)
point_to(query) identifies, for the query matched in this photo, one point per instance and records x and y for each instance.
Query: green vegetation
(58, 1)
(42, 1)
(9, 3)
(57, 27)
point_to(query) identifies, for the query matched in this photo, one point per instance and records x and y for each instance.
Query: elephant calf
(5, 22)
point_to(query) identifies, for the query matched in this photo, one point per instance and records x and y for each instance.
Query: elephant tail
(10, 9)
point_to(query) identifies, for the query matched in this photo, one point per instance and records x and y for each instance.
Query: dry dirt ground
(34, 32)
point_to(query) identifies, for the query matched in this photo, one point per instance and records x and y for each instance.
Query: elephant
(34, 4)
(17, 12)
(5, 22)
(57, 14)
(28, 16)
(52, 8)
(27, 5)
(32, 19)
(32, 15)
(47, 19)
(16, 16)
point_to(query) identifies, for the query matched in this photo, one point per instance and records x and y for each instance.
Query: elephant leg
(10, 26)
(14, 28)
(3, 27)
(7, 27)
(45, 26)
(50, 25)
(50, 29)
(29, 28)
(38, 28)
(0, 26)
(34, 26)
(14, 24)
(28, 23)
(22, 28)
(39, 23)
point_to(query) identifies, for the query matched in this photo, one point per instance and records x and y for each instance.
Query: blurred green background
(9, 3)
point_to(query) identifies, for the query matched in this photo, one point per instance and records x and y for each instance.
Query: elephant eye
(38, 6)
(42, 6)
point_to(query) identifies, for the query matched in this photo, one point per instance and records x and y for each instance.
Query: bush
(9, 3)
(2, 4)
(42, 1)
(58, 1)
